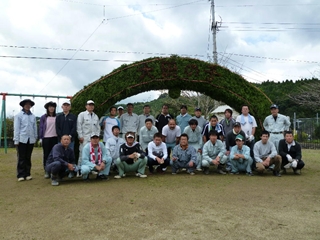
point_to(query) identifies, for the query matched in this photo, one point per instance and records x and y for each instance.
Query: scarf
(93, 158)
(217, 128)
(250, 119)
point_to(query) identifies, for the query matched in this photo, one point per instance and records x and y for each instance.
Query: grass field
(161, 206)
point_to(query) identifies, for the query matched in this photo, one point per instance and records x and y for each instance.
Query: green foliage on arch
(176, 74)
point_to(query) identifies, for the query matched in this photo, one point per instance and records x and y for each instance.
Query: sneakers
(28, 178)
(271, 167)
(206, 170)
(199, 169)
(71, 175)
(297, 171)
(117, 177)
(54, 183)
(220, 171)
(102, 177)
(249, 174)
(276, 174)
(79, 174)
(191, 173)
(46, 175)
(174, 173)
(141, 175)
(20, 179)
(94, 172)
(234, 173)
(183, 169)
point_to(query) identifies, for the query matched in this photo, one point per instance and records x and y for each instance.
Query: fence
(308, 132)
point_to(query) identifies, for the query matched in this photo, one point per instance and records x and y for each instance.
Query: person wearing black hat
(25, 135)
(276, 124)
(47, 132)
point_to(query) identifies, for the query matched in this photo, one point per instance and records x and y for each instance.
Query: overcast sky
(261, 40)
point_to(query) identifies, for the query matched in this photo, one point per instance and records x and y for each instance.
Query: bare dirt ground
(161, 206)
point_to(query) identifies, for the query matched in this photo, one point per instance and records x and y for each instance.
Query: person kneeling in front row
(213, 153)
(240, 157)
(157, 154)
(95, 159)
(290, 152)
(265, 155)
(184, 156)
(61, 160)
(132, 158)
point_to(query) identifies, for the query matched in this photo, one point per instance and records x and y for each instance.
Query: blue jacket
(61, 154)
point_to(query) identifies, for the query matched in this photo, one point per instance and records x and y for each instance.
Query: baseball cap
(90, 102)
(237, 124)
(94, 135)
(274, 106)
(66, 102)
(239, 137)
(120, 107)
(130, 135)
(198, 109)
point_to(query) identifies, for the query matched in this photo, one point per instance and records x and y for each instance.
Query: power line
(73, 55)
(145, 53)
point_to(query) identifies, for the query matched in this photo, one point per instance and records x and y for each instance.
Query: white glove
(294, 163)
(251, 138)
(289, 158)
(40, 142)
(138, 155)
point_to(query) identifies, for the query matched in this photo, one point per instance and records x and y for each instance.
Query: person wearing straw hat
(47, 131)
(25, 135)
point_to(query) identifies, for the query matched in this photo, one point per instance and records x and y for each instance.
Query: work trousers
(24, 152)
(275, 160)
(138, 166)
(47, 145)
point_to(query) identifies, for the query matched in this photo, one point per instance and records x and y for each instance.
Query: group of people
(131, 142)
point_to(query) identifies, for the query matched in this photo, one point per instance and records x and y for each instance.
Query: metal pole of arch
(3, 119)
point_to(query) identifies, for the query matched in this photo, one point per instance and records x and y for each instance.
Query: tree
(308, 95)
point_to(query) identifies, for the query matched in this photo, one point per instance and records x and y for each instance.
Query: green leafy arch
(176, 74)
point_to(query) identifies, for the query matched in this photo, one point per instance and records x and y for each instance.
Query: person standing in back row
(129, 121)
(24, 137)
(183, 118)
(163, 118)
(66, 123)
(276, 124)
(248, 125)
(87, 124)
(47, 132)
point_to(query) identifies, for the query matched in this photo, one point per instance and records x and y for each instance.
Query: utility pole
(214, 33)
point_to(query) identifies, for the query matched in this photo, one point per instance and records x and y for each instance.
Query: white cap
(130, 135)
(90, 102)
(120, 107)
(94, 135)
(66, 102)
